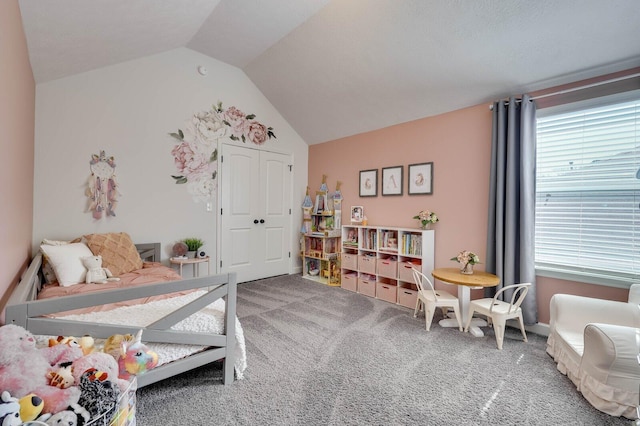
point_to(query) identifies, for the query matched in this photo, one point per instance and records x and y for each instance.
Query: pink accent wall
(459, 145)
(17, 118)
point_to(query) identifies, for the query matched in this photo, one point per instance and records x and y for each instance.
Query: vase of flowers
(426, 218)
(466, 259)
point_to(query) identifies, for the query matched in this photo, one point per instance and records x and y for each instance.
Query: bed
(61, 316)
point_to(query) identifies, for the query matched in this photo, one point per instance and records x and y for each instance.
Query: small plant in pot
(193, 244)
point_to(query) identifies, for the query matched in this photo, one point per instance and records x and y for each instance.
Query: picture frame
(357, 214)
(369, 183)
(392, 180)
(420, 179)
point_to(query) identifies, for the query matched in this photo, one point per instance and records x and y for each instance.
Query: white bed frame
(24, 310)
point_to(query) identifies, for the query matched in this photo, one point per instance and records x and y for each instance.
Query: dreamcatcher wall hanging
(102, 187)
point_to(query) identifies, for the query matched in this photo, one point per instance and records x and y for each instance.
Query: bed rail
(28, 313)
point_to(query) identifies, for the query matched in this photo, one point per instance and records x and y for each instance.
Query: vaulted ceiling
(335, 68)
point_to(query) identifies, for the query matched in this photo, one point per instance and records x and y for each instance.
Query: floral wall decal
(196, 155)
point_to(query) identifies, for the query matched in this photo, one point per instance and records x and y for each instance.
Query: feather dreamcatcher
(102, 187)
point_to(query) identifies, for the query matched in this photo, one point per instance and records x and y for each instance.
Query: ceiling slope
(335, 68)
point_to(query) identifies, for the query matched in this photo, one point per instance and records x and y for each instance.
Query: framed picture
(357, 214)
(392, 180)
(369, 183)
(420, 179)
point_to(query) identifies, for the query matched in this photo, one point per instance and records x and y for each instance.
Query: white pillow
(66, 262)
(47, 269)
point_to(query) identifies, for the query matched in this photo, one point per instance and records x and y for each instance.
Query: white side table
(195, 262)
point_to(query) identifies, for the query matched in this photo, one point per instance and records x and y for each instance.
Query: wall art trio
(419, 180)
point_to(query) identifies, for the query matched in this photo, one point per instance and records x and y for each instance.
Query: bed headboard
(149, 252)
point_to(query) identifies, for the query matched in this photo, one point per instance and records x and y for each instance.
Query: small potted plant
(193, 245)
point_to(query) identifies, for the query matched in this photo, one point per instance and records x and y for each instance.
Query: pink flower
(190, 162)
(237, 120)
(257, 133)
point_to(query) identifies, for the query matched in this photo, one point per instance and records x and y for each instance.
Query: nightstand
(195, 262)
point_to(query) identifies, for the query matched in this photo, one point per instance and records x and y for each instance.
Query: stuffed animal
(24, 368)
(30, 407)
(74, 415)
(61, 378)
(86, 343)
(63, 418)
(136, 358)
(95, 272)
(62, 340)
(99, 396)
(101, 362)
(9, 410)
(113, 344)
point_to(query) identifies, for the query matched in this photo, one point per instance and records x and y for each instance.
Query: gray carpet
(320, 355)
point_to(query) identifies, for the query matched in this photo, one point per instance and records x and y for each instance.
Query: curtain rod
(573, 89)
(588, 86)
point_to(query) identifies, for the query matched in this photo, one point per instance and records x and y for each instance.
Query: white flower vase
(425, 225)
(191, 254)
(467, 269)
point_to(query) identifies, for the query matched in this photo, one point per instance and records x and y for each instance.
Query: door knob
(261, 220)
(255, 221)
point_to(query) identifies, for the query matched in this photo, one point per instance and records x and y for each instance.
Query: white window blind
(588, 194)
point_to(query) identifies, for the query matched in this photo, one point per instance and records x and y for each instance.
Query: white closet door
(255, 217)
(275, 179)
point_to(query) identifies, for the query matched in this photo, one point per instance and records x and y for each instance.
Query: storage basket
(125, 414)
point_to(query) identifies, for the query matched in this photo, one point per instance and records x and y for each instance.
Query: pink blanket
(151, 272)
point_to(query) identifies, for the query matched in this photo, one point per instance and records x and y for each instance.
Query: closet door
(255, 213)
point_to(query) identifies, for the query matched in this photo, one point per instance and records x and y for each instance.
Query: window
(588, 191)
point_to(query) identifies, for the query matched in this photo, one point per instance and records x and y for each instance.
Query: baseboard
(541, 329)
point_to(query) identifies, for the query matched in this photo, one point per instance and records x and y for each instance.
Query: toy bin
(367, 285)
(350, 261)
(405, 269)
(125, 414)
(367, 264)
(349, 282)
(407, 295)
(386, 290)
(388, 267)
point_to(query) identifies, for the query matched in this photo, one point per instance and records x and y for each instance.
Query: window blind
(588, 193)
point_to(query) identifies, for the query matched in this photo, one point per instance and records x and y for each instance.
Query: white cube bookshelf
(377, 261)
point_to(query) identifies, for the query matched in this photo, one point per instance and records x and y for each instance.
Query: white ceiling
(334, 68)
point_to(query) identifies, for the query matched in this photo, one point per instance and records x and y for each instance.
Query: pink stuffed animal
(136, 358)
(24, 368)
(101, 362)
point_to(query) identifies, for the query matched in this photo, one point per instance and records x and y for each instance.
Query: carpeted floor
(321, 355)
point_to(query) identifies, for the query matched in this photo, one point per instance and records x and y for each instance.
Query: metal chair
(498, 312)
(432, 299)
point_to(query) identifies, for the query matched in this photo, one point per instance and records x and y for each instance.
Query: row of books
(369, 239)
(389, 240)
(412, 244)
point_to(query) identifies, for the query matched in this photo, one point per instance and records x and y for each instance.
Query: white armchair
(596, 344)
(609, 371)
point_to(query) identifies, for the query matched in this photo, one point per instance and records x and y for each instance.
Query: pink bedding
(151, 272)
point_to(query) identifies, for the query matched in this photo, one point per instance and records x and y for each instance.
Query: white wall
(128, 110)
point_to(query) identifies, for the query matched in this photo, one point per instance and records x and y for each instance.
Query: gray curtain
(512, 197)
